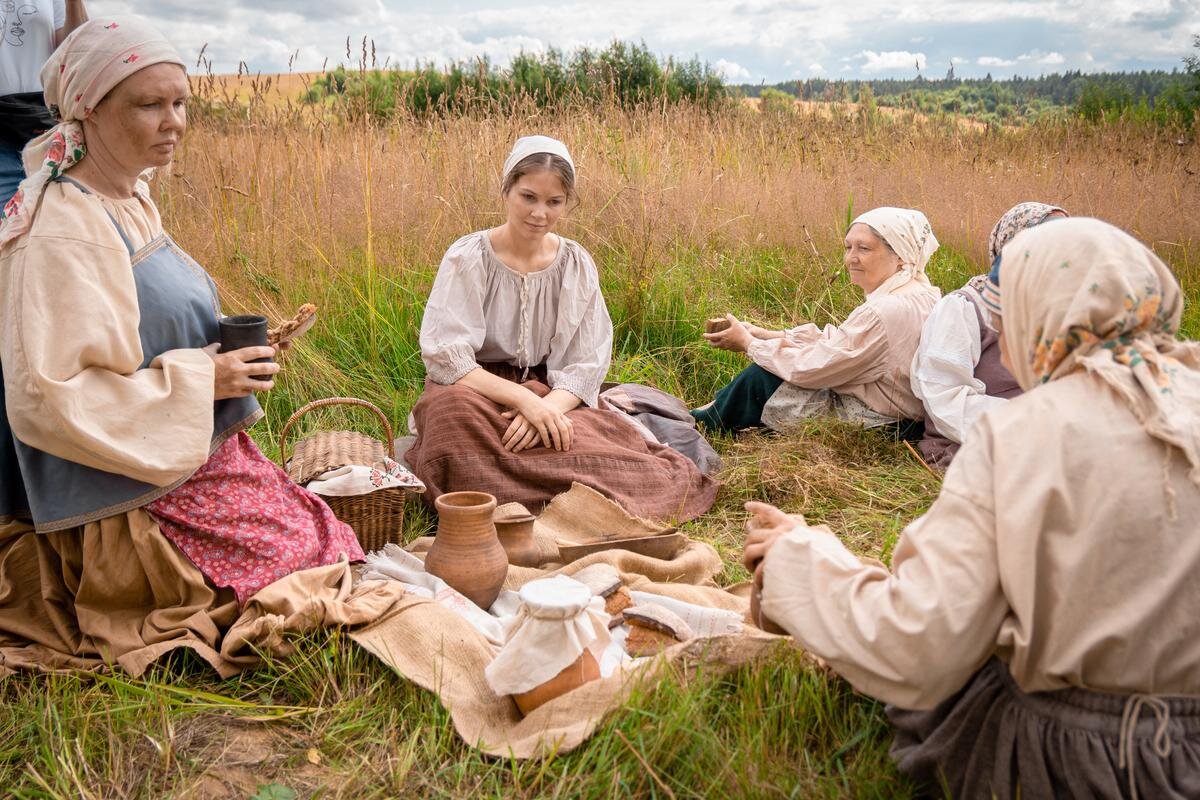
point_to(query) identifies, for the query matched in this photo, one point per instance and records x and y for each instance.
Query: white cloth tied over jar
(558, 619)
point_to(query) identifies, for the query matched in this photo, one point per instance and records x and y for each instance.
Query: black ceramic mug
(245, 330)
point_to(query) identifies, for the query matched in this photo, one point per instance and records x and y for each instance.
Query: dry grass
(688, 214)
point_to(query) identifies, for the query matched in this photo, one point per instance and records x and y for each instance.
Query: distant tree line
(625, 73)
(1148, 95)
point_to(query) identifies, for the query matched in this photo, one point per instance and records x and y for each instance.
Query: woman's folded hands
(540, 420)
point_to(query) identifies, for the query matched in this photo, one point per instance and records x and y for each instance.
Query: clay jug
(514, 528)
(760, 620)
(466, 553)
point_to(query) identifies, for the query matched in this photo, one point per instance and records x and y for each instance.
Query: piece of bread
(301, 322)
(716, 325)
(602, 579)
(653, 628)
(616, 603)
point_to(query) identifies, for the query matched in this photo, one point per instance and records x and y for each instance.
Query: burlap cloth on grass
(116, 593)
(440, 651)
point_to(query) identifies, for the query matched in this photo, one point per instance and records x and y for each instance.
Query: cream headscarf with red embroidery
(97, 56)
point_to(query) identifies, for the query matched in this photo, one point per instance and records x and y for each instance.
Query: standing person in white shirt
(956, 372)
(30, 30)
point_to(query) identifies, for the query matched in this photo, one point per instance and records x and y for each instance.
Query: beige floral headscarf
(1015, 220)
(97, 56)
(1083, 295)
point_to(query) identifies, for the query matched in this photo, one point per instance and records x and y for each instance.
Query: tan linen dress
(116, 591)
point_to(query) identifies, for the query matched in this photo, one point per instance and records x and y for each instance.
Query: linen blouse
(1063, 541)
(943, 369)
(71, 353)
(868, 356)
(481, 310)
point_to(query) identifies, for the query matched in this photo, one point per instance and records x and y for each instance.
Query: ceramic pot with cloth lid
(553, 645)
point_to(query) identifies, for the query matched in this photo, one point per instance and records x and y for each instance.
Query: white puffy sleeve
(581, 349)
(943, 369)
(453, 326)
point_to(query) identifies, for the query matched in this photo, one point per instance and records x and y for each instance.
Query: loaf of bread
(605, 582)
(653, 628)
(304, 319)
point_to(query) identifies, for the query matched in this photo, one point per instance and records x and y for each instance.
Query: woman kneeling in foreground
(136, 515)
(516, 341)
(1045, 601)
(857, 371)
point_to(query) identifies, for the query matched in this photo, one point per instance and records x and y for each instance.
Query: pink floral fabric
(245, 524)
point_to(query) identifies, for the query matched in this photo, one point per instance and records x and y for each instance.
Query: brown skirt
(994, 740)
(458, 447)
(117, 593)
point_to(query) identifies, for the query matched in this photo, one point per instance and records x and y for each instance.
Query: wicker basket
(377, 517)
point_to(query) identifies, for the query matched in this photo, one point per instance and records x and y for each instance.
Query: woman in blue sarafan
(136, 515)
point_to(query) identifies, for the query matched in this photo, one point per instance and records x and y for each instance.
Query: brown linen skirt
(117, 593)
(458, 448)
(114, 591)
(994, 740)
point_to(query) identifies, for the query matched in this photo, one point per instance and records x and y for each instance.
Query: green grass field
(355, 222)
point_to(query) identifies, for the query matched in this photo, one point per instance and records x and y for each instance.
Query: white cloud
(731, 70)
(815, 67)
(891, 60)
(1039, 57)
(757, 36)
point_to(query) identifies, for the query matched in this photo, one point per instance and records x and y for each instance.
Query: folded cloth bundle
(356, 479)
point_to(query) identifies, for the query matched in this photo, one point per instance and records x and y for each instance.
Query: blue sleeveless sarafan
(179, 309)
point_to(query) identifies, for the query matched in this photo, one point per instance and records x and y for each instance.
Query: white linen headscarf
(910, 236)
(530, 145)
(1083, 295)
(97, 56)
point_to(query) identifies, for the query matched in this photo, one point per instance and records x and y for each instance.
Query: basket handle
(335, 401)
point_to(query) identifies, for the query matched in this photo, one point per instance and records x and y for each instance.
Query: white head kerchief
(529, 145)
(909, 234)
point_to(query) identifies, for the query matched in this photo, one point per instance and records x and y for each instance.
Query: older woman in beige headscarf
(1039, 621)
(857, 371)
(136, 515)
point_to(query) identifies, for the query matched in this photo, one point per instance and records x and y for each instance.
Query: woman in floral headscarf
(1039, 621)
(857, 371)
(956, 372)
(136, 515)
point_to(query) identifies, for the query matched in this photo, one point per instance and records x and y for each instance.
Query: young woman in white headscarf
(857, 371)
(956, 372)
(1036, 633)
(516, 341)
(136, 515)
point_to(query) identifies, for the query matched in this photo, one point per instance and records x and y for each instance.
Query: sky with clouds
(748, 40)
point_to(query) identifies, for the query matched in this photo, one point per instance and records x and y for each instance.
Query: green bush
(775, 101)
(628, 74)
